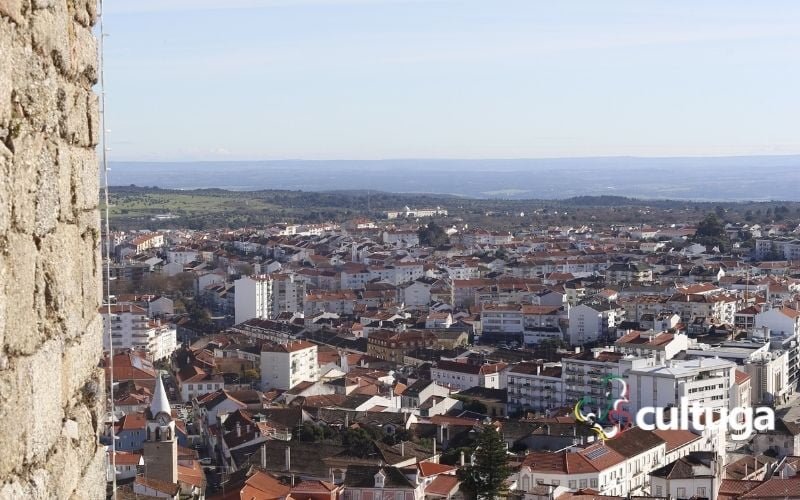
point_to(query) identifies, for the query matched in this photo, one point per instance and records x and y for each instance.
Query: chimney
(238, 430)
(263, 456)
(288, 458)
(462, 459)
(402, 448)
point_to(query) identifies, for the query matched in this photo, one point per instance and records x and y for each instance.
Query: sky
(190, 80)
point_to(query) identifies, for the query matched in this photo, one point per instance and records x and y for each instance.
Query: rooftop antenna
(101, 50)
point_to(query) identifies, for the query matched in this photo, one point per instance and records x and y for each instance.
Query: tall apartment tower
(265, 296)
(253, 297)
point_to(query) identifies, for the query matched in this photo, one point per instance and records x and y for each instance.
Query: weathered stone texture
(50, 333)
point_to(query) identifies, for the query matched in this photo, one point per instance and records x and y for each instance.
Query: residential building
(592, 320)
(377, 481)
(131, 328)
(462, 375)
(393, 346)
(532, 386)
(265, 296)
(283, 366)
(697, 475)
(706, 382)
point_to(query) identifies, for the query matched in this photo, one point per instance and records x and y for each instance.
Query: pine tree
(486, 477)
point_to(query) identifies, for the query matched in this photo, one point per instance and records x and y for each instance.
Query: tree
(486, 477)
(358, 443)
(711, 233)
(432, 235)
(310, 432)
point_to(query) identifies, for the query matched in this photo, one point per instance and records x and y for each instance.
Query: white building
(532, 386)
(663, 346)
(131, 328)
(696, 475)
(267, 295)
(708, 382)
(418, 293)
(589, 321)
(283, 366)
(779, 320)
(460, 376)
(617, 467)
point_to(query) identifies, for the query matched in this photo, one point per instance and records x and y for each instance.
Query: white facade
(285, 366)
(779, 320)
(462, 376)
(266, 296)
(417, 294)
(586, 323)
(705, 381)
(131, 328)
(533, 387)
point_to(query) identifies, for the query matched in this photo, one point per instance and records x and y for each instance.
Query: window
(583, 483)
(659, 491)
(681, 492)
(593, 483)
(573, 484)
(701, 492)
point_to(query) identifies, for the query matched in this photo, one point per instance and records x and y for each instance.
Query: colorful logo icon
(608, 422)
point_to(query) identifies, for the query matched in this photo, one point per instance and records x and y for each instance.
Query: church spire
(160, 402)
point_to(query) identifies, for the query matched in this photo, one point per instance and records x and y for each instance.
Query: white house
(283, 366)
(131, 328)
(591, 320)
(460, 376)
(779, 319)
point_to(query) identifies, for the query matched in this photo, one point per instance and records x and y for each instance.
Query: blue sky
(368, 79)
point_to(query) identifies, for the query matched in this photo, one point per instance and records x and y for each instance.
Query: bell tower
(161, 444)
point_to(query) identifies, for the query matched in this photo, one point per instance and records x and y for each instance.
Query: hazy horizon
(687, 178)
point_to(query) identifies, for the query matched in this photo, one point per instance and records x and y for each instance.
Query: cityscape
(378, 355)
(399, 250)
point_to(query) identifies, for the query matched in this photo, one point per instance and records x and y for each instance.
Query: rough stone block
(50, 35)
(21, 333)
(12, 9)
(92, 484)
(83, 56)
(94, 120)
(6, 72)
(85, 180)
(47, 192)
(79, 364)
(43, 431)
(3, 312)
(23, 183)
(15, 401)
(5, 194)
(74, 120)
(62, 278)
(64, 181)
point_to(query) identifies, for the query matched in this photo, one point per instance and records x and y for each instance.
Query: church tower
(161, 444)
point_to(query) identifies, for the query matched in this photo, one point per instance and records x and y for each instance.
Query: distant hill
(758, 178)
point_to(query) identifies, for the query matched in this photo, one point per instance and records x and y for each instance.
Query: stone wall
(51, 392)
